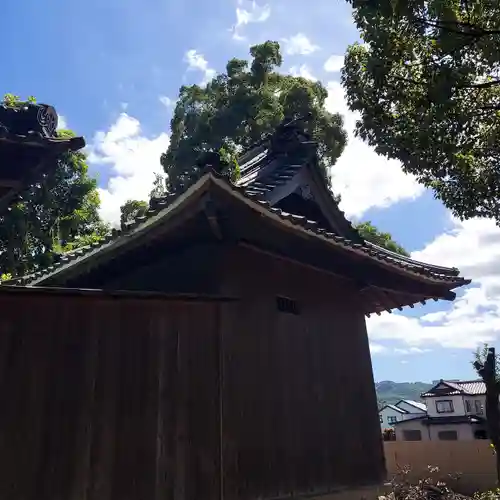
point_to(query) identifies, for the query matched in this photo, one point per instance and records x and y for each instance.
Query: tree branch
(477, 33)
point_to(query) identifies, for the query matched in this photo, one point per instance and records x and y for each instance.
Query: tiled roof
(468, 387)
(18, 170)
(416, 404)
(262, 173)
(472, 387)
(433, 272)
(37, 140)
(395, 408)
(162, 206)
(262, 168)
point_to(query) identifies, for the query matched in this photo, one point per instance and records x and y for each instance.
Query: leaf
(238, 107)
(426, 85)
(58, 213)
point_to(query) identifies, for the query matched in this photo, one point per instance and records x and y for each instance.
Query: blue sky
(113, 69)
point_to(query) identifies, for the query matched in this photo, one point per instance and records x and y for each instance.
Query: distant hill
(391, 392)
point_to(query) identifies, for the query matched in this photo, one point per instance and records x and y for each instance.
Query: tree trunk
(487, 371)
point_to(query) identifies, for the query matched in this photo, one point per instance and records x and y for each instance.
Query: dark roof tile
(433, 272)
(468, 387)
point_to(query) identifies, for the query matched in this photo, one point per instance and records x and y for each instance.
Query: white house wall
(465, 432)
(385, 414)
(409, 416)
(481, 403)
(457, 402)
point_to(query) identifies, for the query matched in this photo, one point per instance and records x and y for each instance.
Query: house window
(479, 407)
(412, 435)
(392, 420)
(468, 406)
(287, 305)
(447, 435)
(444, 406)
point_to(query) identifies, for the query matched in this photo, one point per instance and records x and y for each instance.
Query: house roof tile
(418, 405)
(395, 408)
(468, 387)
(437, 274)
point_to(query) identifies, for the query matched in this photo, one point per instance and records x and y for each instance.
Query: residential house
(214, 348)
(455, 411)
(390, 414)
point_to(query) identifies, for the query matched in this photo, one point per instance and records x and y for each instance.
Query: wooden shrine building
(29, 147)
(214, 349)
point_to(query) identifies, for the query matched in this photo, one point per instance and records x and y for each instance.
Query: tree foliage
(159, 186)
(370, 233)
(56, 214)
(132, 209)
(238, 107)
(426, 83)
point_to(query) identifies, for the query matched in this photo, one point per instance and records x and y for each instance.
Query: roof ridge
(163, 203)
(451, 271)
(285, 123)
(393, 407)
(159, 204)
(65, 257)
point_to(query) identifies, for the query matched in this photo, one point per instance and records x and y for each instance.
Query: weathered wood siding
(108, 399)
(130, 399)
(299, 404)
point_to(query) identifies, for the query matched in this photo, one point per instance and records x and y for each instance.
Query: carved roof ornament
(306, 192)
(292, 139)
(48, 120)
(29, 118)
(29, 146)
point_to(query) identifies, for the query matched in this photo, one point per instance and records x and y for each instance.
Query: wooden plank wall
(293, 418)
(299, 405)
(108, 399)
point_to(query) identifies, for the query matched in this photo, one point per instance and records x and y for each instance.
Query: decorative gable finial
(292, 139)
(23, 118)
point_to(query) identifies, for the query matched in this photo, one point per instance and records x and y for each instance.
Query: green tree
(426, 83)
(370, 233)
(132, 209)
(238, 107)
(159, 186)
(57, 214)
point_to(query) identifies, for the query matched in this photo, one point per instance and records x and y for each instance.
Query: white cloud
(299, 44)
(197, 62)
(62, 124)
(364, 179)
(166, 101)
(302, 71)
(132, 160)
(377, 348)
(473, 318)
(251, 13)
(409, 351)
(334, 64)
